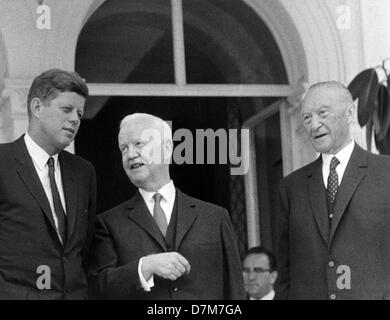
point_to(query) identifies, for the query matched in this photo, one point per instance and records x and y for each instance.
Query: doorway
(131, 42)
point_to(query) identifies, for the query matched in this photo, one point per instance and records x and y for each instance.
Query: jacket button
(331, 264)
(65, 259)
(333, 296)
(175, 289)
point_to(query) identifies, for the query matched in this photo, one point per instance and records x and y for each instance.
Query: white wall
(317, 41)
(376, 31)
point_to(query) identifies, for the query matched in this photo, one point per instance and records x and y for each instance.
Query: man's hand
(168, 265)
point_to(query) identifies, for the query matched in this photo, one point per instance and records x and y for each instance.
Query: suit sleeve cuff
(146, 284)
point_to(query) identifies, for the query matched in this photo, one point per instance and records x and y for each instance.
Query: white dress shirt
(343, 156)
(39, 158)
(167, 202)
(269, 296)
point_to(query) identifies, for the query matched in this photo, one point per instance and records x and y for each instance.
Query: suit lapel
(316, 190)
(186, 215)
(140, 214)
(353, 175)
(70, 192)
(30, 178)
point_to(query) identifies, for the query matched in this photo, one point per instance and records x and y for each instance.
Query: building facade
(243, 51)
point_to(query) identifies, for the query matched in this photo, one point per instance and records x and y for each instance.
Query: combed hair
(157, 122)
(346, 94)
(50, 83)
(268, 253)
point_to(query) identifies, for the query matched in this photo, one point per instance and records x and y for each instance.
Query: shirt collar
(343, 155)
(269, 296)
(38, 155)
(167, 192)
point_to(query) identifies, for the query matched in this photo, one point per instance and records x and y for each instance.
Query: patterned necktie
(159, 215)
(58, 209)
(333, 185)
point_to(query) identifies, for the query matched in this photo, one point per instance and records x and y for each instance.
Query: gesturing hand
(168, 265)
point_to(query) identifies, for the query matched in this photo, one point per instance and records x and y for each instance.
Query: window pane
(127, 41)
(227, 42)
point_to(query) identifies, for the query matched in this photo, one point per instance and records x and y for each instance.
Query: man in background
(259, 271)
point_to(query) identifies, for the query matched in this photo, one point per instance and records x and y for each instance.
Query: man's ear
(351, 112)
(35, 107)
(168, 150)
(273, 276)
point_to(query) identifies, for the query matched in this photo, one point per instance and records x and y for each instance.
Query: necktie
(59, 210)
(159, 215)
(333, 184)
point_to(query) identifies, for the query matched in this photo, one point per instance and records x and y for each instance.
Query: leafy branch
(374, 105)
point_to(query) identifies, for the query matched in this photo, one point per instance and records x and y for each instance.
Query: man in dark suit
(260, 273)
(162, 243)
(334, 219)
(47, 196)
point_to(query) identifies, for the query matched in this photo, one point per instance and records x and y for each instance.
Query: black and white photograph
(201, 153)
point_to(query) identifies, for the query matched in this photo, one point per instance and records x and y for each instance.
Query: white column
(6, 123)
(178, 42)
(251, 194)
(14, 120)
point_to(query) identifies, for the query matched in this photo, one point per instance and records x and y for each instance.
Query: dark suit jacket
(204, 236)
(28, 237)
(313, 258)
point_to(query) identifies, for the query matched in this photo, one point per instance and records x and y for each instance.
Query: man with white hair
(162, 243)
(334, 217)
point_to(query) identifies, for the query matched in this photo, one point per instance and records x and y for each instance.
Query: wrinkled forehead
(132, 130)
(140, 129)
(331, 97)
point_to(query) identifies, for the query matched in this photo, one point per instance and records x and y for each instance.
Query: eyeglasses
(256, 270)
